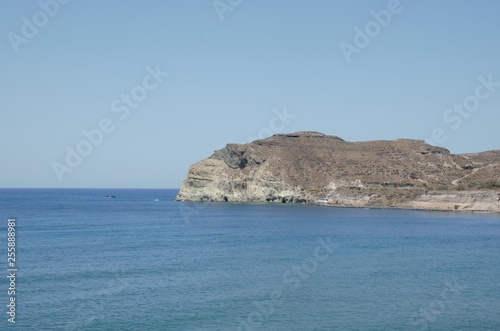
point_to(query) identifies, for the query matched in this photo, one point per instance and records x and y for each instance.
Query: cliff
(310, 167)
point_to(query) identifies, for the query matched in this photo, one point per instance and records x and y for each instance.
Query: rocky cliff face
(310, 167)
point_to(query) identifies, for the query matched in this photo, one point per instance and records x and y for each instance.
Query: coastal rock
(311, 167)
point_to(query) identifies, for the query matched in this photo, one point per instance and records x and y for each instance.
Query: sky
(129, 94)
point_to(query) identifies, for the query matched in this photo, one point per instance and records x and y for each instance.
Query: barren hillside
(310, 167)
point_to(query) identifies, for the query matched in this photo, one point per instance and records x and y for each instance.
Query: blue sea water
(134, 263)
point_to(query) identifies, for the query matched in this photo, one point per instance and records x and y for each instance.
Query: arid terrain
(310, 167)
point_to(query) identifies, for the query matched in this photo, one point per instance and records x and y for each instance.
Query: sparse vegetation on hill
(315, 168)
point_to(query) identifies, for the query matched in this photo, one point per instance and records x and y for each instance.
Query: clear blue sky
(228, 79)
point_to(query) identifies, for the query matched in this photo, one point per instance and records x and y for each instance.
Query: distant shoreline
(311, 167)
(263, 203)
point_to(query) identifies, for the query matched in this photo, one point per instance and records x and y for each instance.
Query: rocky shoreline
(313, 168)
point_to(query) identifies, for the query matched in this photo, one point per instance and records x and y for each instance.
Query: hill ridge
(312, 167)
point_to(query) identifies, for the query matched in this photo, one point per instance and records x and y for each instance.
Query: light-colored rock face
(214, 180)
(310, 167)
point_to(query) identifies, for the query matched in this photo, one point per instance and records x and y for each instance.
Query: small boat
(109, 196)
(157, 199)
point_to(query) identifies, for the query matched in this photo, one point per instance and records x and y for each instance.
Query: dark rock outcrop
(311, 167)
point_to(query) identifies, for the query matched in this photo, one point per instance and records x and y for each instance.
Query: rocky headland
(314, 168)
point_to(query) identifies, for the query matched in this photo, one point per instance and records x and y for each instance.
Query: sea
(142, 261)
